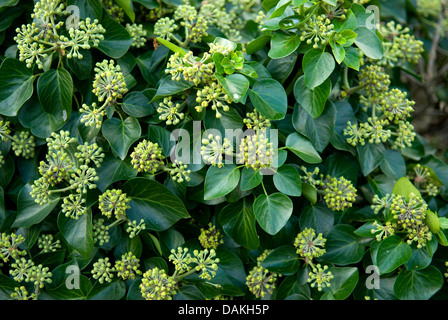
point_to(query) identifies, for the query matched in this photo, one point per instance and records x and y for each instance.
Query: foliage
(216, 150)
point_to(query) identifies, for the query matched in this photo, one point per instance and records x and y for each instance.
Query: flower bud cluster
(402, 215)
(210, 237)
(103, 270)
(260, 280)
(399, 44)
(70, 168)
(128, 266)
(256, 121)
(255, 151)
(133, 228)
(100, 232)
(157, 285)
(179, 171)
(23, 144)
(213, 150)
(190, 68)
(147, 157)
(390, 110)
(224, 18)
(25, 270)
(339, 193)
(114, 203)
(37, 41)
(114, 10)
(214, 94)
(46, 243)
(20, 293)
(9, 246)
(424, 181)
(309, 245)
(138, 34)
(320, 277)
(317, 31)
(170, 111)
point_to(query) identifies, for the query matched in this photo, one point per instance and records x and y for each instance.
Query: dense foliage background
(347, 201)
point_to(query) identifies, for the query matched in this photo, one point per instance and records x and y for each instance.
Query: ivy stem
(264, 189)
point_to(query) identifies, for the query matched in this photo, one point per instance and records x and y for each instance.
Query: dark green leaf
(392, 253)
(220, 181)
(269, 97)
(78, 233)
(303, 148)
(418, 284)
(287, 180)
(273, 211)
(16, 86)
(29, 212)
(313, 101)
(317, 66)
(283, 44)
(343, 246)
(117, 40)
(121, 134)
(238, 222)
(153, 203)
(284, 260)
(55, 91)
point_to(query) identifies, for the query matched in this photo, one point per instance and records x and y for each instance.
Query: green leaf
(117, 40)
(352, 58)
(8, 3)
(137, 104)
(313, 101)
(41, 123)
(29, 212)
(236, 85)
(418, 284)
(317, 66)
(127, 7)
(55, 91)
(369, 43)
(287, 180)
(172, 46)
(392, 253)
(370, 156)
(280, 8)
(273, 211)
(121, 134)
(113, 170)
(404, 188)
(319, 130)
(3, 214)
(169, 87)
(344, 282)
(257, 44)
(318, 217)
(87, 9)
(269, 97)
(107, 291)
(303, 148)
(393, 164)
(238, 221)
(250, 179)
(338, 51)
(154, 203)
(16, 86)
(343, 246)
(220, 181)
(284, 260)
(283, 44)
(81, 68)
(77, 233)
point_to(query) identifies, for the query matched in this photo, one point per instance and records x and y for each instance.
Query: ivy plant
(227, 149)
